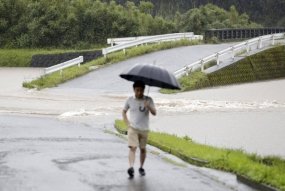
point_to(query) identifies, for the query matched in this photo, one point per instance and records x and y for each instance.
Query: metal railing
(152, 39)
(247, 45)
(241, 33)
(63, 65)
(124, 40)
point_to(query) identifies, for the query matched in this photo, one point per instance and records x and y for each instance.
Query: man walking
(138, 125)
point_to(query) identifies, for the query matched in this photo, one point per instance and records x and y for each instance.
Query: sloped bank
(262, 173)
(266, 65)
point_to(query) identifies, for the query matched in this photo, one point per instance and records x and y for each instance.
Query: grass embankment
(269, 64)
(72, 72)
(23, 57)
(269, 170)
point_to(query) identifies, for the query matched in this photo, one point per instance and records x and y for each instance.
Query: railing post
(112, 42)
(247, 47)
(43, 73)
(233, 53)
(60, 72)
(124, 50)
(186, 70)
(218, 58)
(105, 52)
(273, 40)
(202, 65)
(259, 43)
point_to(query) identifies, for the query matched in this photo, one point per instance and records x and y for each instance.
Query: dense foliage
(269, 13)
(82, 23)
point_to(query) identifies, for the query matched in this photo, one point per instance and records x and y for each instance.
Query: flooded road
(246, 116)
(55, 139)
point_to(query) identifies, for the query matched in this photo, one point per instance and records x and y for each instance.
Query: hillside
(267, 13)
(85, 24)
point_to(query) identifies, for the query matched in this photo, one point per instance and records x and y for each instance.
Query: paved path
(44, 154)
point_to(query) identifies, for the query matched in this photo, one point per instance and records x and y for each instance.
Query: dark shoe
(131, 172)
(141, 171)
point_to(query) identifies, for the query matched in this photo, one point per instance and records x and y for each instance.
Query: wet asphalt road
(107, 81)
(40, 153)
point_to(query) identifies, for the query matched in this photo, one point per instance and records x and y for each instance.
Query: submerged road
(107, 80)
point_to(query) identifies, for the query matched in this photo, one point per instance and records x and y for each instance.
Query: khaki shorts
(137, 138)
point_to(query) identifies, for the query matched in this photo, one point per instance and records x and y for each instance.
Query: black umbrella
(151, 75)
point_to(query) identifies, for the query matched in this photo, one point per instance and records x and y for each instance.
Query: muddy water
(248, 116)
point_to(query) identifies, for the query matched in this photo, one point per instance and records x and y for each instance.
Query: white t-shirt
(139, 115)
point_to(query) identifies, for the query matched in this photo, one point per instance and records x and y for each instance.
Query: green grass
(195, 80)
(121, 124)
(119, 135)
(240, 52)
(269, 170)
(72, 72)
(23, 57)
(210, 64)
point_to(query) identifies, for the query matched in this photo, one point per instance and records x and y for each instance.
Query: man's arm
(124, 113)
(151, 109)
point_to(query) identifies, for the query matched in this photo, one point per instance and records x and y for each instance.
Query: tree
(146, 7)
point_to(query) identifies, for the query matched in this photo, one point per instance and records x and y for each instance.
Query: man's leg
(132, 143)
(142, 156)
(132, 156)
(142, 141)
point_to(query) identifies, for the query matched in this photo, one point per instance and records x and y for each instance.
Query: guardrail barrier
(157, 38)
(246, 45)
(63, 65)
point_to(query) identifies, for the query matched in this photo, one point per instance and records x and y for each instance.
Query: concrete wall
(48, 60)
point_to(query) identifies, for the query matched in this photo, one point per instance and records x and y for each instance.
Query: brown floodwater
(248, 116)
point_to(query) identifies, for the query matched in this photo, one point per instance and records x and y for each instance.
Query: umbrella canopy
(151, 75)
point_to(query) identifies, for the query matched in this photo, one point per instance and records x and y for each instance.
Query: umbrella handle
(147, 92)
(149, 85)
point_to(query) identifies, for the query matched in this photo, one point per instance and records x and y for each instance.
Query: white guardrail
(246, 45)
(145, 40)
(63, 65)
(117, 41)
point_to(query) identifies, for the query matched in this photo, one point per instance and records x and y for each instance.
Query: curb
(191, 160)
(255, 185)
(179, 154)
